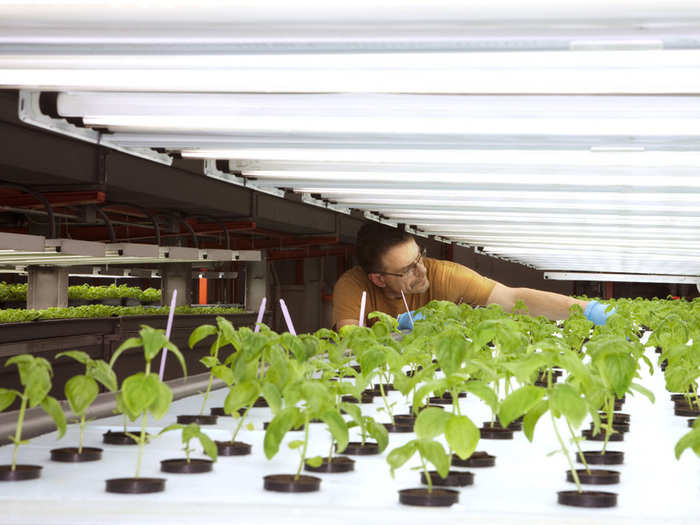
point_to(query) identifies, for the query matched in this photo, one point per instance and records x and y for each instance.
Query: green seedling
(143, 393)
(190, 432)
(691, 440)
(367, 425)
(81, 390)
(35, 376)
(460, 432)
(225, 334)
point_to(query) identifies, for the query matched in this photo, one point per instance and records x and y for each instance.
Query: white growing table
(521, 489)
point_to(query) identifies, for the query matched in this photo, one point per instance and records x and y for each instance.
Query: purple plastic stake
(410, 317)
(261, 312)
(362, 308)
(287, 319)
(168, 329)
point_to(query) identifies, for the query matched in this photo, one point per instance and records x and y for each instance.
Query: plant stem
(240, 424)
(303, 450)
(82, 434)
(330, 452)
(566, 453)
(124, 422)
(428, 479)
(609, 406)
(578, 447)
(386, 402)
(206, 394)
(142, 442)
(18, 431)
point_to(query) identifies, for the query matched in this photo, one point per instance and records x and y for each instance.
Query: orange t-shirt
(449, 281)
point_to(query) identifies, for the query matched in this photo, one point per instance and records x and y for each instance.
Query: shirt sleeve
(464, 285)
(347, 295)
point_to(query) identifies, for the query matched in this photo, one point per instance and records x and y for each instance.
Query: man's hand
(405, 321)
(595, 312)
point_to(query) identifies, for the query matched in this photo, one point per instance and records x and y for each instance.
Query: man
(392, 262)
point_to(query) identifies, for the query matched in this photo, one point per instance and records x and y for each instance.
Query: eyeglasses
(410, 269)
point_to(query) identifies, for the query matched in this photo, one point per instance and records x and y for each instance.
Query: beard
(419, 285)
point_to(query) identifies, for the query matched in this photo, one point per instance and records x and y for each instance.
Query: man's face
(405, 259)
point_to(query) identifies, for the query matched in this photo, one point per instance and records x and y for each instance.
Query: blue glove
(405, 322)
(595, 312)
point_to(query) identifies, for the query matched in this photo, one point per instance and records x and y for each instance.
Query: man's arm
(548, 304)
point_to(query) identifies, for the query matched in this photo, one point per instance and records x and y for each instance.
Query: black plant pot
(495, 432)
(691, 422)
(356, 448)
(686, 412)
(135, 485)
(198, 419)
(21, 472)
(515, 426)
(120, 438)
(260, 402)
(336, 465)
(619, 427)
(388, 387)
(422, 498)
(399, 428)
(220, 412)
(478, 459)
(236, 448)
(587, 498)
(595, 476)
(600, 436)
(287, 483)
(182, 466)
(71, 454)
(365, 398)
(618, 418)
(611, 457)
(455, 478)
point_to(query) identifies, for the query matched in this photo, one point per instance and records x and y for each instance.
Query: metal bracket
(30, 113)
(210, 170)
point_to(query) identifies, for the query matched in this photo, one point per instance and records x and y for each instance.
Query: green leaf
(315, 461)
(337, 427)
(378, 432)
(224, 373)
(153, 340)
(208, 446)
(430, 423)
(532, 417)
(53, 408)
(81, 391)
(352, 410)
(139, 392)
(174, 350)
(161, 404)
(690, 440)
(241, 395)
(518, 403)
(132, 342)
(565, 400)
(101, 372)
(462, 435)
(276, 430)
(371, 360)
(200, 333)
(639, 388)
(617, 370)
(81, 357)
(209, 361)
(37, 383)
(450, 350)
(273, 396)
(435, 453)
(7, 397)
(397, 457)
(483, 392)
(295, 444)
(170, 428)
